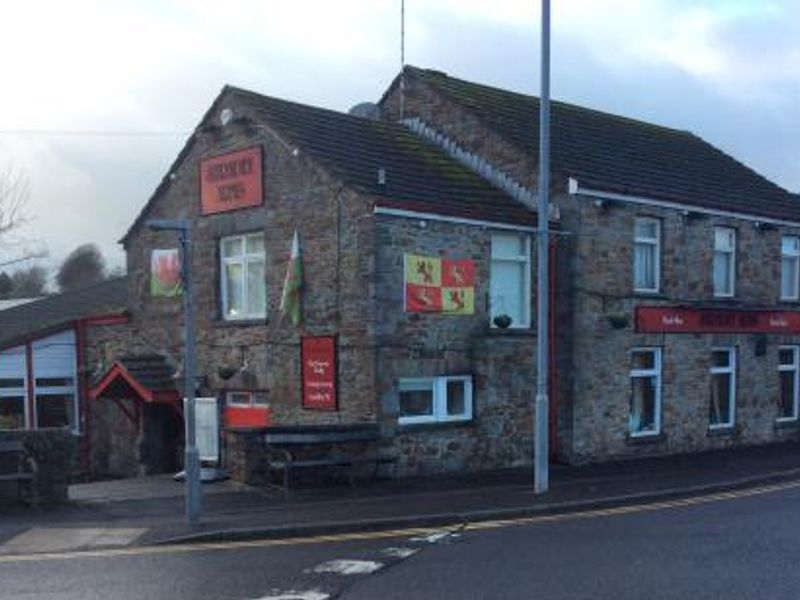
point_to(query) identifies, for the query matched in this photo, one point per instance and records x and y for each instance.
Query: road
(732, 546)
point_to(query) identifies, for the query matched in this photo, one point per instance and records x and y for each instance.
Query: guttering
(575, 189)
(426, 216)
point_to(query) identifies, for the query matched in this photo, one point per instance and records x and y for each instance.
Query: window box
(435, 399)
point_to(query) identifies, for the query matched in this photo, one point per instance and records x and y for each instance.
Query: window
(724, 261)
(723, 388)
(790, 267)
(646, 255)
(788, 372)
(244, 294)
(12, 403)
(435, 399)
(247, 399)
(645, 402)
(510, 289)
(54, 377)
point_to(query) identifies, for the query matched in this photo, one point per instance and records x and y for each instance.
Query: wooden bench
(19, 466)
(290, 448)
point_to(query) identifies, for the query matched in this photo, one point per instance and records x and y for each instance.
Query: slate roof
(22, 322)
(151, 370)
(419, 176)
(617, 154)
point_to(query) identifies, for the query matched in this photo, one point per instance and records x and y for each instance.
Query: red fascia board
(99, 320)
(117, 370)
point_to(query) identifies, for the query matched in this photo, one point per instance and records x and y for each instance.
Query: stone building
(674, 287)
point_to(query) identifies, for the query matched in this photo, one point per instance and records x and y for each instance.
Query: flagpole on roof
(541, 439)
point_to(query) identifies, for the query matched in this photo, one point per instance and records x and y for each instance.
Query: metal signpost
(192, 455)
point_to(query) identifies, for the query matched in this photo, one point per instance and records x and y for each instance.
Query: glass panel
(643, 405)
(416, 402)
(643, 360)
(790, 245)
(54, 382)
(789, 268)
(724, 239)
(54, 410)
(255, 244)
(233, 287)
(260, 398)
(786, 356)
(12, 413)
(723, 275)
(511, 246)
(256, 289)
(238, 398)
(720, 358)
(647, 229)
(12, 383)
(507, 288)
(456, 398)
(719, 410)
(787, 394)
(231, 247)
(644, 266)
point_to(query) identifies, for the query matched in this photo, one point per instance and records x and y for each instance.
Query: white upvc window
(724, 262)
(242, 277)
(790, 267)
(435, 399)
(13, 389)
(646, 254)
(510, 286)
(644, 416)
(722, 402)
(789, 374)
(242, 398)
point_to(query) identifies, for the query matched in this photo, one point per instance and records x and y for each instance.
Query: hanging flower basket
(502, 321)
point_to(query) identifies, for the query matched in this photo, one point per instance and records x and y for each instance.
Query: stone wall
(56, 455)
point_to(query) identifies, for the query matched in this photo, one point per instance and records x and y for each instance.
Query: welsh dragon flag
(293, 284)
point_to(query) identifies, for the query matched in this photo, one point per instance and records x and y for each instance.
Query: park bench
(17, 465)
(291, 448)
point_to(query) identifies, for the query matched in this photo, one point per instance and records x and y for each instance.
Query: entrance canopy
(147, 378)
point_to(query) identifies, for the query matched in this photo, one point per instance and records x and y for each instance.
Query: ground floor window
(55, 410)
(788, 372)
(435, 399)
(645, 402)
(722, 406)
(245, 398)
(12, 411)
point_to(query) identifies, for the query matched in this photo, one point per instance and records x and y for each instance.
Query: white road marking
(347, 567)
(399, 552)
(432, 538)
(293, 595)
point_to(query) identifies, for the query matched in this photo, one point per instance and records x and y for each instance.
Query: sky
(100, 95)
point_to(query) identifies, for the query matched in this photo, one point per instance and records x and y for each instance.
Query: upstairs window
(243, 280)
(790, 267)
(646, 254)
(724, 262)
(511, 278)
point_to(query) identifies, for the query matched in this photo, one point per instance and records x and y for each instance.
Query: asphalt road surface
(734, 546)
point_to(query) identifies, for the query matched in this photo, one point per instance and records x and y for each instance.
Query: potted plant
(503, 321)
(225, 373)
(618, 321)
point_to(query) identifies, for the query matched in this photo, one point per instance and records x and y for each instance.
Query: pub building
(675, 289)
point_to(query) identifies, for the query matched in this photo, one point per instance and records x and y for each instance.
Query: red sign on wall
(660, 319)
(319, 372)
(231, 181)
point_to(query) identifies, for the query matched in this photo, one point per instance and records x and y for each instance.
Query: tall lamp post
(192, 455)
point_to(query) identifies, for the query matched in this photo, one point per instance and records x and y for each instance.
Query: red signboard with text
(662, 319)
(319, 372)
(231, 181)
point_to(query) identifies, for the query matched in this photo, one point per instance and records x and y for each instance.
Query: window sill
(722, 431)
(643, 439)
(239, 322)
(787, 424)
(511, 332)
(641, 294)
(434, 426)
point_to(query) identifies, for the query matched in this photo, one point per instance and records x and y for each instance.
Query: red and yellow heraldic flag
(440, 285)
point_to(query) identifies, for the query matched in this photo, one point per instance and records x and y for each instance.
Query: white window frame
(522, 259)
(730, 254)
(792, 254)
(648, 241)
(794, 368)
(730, 370)
(647, 373)
(244, 259)
(251, 398)
(17, 356)
(438, 386)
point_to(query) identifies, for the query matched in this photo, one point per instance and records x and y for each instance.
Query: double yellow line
(400, 533)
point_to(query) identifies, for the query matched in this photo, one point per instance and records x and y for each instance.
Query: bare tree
(83, 267)
(14, 193)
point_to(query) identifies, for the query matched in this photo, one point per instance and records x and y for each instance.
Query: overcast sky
(729, 70)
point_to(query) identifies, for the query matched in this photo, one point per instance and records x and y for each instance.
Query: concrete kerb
(456, 520)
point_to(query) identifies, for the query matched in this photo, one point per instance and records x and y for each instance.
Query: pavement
(149, 510)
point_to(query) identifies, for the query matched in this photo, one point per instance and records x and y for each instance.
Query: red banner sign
(319, 372)
(231, 181)
(660, 319)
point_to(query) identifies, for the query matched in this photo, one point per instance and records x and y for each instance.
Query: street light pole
(194, 497)
(541, 443)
